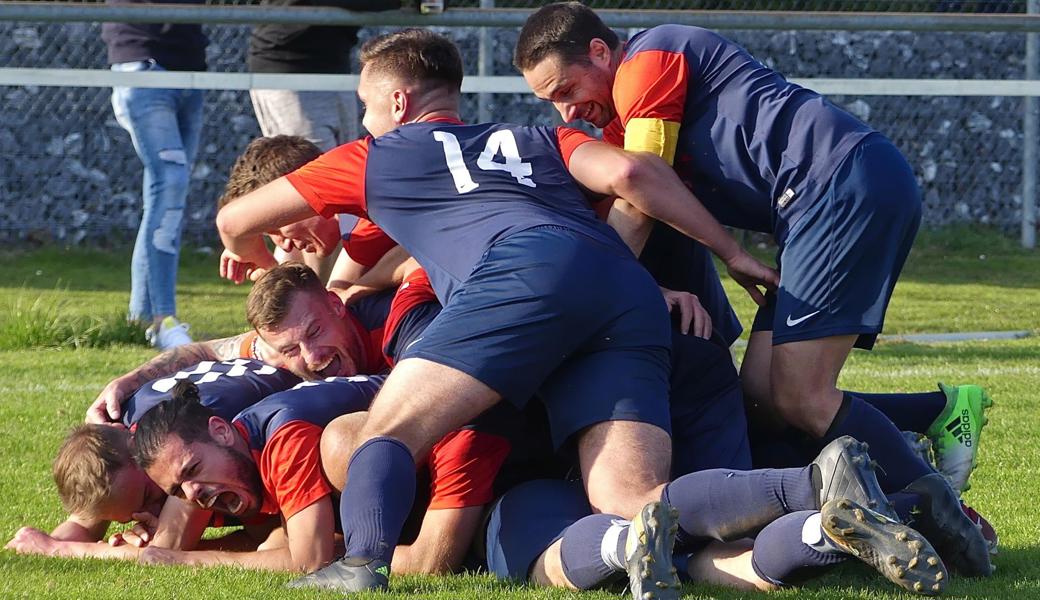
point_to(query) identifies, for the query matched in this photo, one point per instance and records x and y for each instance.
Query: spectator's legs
(164, 127)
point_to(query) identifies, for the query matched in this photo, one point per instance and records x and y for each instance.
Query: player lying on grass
(98, 482)
(801, 520)
(807, 175)
(336, 340)
(458, 483)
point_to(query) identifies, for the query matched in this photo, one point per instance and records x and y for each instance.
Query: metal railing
(485, 83)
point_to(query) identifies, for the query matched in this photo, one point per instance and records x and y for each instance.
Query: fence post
(485, 64)
(1030, 139)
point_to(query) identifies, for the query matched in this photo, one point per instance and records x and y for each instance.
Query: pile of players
(493, 381)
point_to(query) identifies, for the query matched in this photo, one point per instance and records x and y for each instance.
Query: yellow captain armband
(652, 135)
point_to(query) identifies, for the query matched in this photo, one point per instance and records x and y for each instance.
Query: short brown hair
(87, 464)
(565, 30)
(264, 160)
(268, 301)
(417, 56)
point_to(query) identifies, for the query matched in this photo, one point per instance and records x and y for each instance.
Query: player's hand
(750, 274)
(107, 408)
(152, 555)
(691, 313)
(29, 540)
(140, 534)
(239, 268)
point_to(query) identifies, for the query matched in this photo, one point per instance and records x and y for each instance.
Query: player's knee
(623, 499)
(338, 442)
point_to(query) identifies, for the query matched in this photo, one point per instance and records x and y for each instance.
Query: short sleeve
(569, 139)
(290, 466)
(247, 348)
(463, 467)
(366, 243)
(650, 97)
(335, 181)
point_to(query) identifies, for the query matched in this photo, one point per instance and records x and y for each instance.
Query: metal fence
(69, 175)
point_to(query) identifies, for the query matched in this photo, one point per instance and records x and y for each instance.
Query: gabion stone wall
(68, 173)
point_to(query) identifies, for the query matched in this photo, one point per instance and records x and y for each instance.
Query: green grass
(946, 287)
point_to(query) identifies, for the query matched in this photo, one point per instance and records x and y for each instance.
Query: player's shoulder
(670, 38)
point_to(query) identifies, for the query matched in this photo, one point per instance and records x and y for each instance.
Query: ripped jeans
(164, 126)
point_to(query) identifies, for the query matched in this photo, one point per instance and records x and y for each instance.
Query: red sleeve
(290, 466)
(463, 466)
(569, 139)
(651, 85)
(614, 133)
(366, 243)
(416, 289)
(247, 349)
(335, 181)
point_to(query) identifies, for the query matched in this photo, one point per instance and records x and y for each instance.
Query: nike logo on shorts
(419, 339)
(792, 322)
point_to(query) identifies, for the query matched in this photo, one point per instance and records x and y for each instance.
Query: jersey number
(501, 142)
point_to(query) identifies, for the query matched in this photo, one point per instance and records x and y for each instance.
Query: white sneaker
(170, 334)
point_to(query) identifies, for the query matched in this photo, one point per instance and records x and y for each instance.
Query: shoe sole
(651, 575)
(849, 473)
(896, 551)
(959, 541)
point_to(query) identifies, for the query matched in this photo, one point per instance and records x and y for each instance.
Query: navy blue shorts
(527, 520)
(552, 312)
(840, 260)
(709, 423)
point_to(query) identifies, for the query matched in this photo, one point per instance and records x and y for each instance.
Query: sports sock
(727, 505)
(899, 464)
(909, 412)
(593, 550)
(377, 498)
(791, 543)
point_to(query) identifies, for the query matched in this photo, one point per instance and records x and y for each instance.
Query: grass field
(59, 311)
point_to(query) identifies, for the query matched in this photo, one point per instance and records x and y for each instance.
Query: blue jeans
(164, 126)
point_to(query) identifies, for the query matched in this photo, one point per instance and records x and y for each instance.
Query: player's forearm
(632, 224)
(173, 360)
(73, 531)
(67, 549)
(653, 187)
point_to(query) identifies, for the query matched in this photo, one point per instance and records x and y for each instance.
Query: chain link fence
(69, 175)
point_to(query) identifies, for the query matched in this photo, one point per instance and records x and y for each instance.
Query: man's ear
(338, 308)
(221, 432)
(599, 53)
(399, 102)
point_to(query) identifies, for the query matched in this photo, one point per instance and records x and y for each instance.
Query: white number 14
(501, 142)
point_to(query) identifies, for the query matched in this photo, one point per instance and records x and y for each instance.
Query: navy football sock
(377, 498)
(791, 543)
(899, 464)
(909, 412)
(727, 505)
(592, 551)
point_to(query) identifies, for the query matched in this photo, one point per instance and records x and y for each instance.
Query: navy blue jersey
(448, 191)
(753, 147)
(227, 387)
(313, 402)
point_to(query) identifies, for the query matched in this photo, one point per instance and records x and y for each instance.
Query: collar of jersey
(444, 120)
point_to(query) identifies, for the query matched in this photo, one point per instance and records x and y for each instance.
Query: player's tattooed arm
(107, 407)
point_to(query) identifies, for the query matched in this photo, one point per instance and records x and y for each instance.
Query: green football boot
(955, 433)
